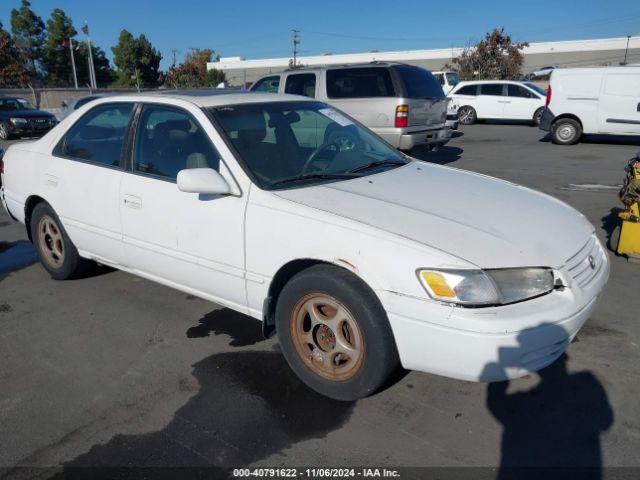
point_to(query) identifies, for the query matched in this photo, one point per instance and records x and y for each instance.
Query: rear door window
(418, 82)
(494, 89)
(301, 84)
(98, 136)
(360, 82)
(267, 84)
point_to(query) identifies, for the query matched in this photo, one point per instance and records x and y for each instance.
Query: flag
(85, 29)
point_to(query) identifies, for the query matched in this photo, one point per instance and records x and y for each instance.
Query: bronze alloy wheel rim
(327, 337)
(50, 242)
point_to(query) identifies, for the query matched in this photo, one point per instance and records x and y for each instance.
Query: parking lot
(114, 370)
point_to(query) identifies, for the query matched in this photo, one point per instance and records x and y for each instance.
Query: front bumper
(452, 122)
(490, 344)
(424, 137)
(546, 120)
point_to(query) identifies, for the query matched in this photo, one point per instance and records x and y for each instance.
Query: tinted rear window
(491, 89)
(359, 83)
(419, 83)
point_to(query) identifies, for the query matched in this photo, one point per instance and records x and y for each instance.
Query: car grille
(585, 265)
(39, 123)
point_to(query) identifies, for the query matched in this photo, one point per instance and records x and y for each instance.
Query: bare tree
(495, 57)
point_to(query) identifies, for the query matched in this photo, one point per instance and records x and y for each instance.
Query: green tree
(192, 72)
(12, 71)
(137, 61)
(28, 33)
(56, 58)
(495, 57)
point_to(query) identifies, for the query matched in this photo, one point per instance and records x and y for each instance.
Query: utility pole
(626, 50)
(296, 42)
(174, 52)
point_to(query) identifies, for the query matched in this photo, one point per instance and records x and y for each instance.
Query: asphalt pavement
(114, 370)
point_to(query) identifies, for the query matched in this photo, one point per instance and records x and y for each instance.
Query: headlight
(486, 287)
(17, 121)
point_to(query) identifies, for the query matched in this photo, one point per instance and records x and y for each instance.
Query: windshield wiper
(375, 163)
(306, 176)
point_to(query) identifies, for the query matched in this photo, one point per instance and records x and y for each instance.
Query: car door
(520, 102)
(491, 100)
(190, 241)
(85, 181)
(619, 103)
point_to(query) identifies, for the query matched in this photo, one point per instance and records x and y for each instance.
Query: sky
(262, 28)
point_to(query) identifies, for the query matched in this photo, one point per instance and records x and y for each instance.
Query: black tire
(55, 244)
(614, 240)
(537, 116)
(566, 131)
(467, 115)
(4, 133)
(378, 359)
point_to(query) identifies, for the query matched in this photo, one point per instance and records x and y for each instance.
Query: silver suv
(403, 104)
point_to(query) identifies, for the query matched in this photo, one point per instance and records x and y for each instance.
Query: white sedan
(498, 100)
(284, 208)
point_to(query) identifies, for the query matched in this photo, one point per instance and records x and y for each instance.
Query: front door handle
(132, 201)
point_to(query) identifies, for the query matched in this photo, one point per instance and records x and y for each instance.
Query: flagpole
(92, 71)
(73, 63)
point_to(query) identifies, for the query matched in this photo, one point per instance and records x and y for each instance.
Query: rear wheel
(467, 115)
(335, 334)
(58, 254)
(566, 131)
(537, 116)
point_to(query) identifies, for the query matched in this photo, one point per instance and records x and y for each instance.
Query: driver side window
(169, 140)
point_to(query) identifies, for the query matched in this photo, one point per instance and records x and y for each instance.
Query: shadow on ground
(242, 329)
(552, 430)
(249, 406)
(442, 156)
(15, 256)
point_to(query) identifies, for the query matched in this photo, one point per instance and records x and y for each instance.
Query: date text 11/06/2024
(315, 473)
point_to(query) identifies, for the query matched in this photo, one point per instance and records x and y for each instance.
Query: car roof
(206, 97)
(478, 82)
(332, 66)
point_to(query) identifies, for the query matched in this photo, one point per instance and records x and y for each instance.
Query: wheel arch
(285, 273)
(568, 115)
(29, 205)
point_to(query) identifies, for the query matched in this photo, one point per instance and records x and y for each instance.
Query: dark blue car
(18, 118)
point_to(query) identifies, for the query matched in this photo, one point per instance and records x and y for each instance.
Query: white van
(602, 100)
(447, 80)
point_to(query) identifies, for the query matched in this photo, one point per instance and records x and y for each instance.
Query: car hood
(483, 220)
(25, 114)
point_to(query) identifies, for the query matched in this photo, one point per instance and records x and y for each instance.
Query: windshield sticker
(336, 116)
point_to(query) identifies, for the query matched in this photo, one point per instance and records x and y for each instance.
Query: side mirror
(202, 180)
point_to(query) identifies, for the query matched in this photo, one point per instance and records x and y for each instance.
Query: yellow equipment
(629, 242)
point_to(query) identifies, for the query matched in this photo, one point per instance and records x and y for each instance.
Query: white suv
(498, 99)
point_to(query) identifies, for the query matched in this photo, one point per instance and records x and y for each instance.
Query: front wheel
(4, 132)
(467, 115)
(335, 334)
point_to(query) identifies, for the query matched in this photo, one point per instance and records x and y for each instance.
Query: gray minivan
(402, 103)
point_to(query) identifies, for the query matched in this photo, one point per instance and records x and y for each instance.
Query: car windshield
(10, 104)
(290, 144)
(453, 79)
(535, 87)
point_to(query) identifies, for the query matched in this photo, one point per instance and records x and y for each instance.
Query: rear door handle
(132, 201)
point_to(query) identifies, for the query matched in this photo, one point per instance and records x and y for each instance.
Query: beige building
(574, 53)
